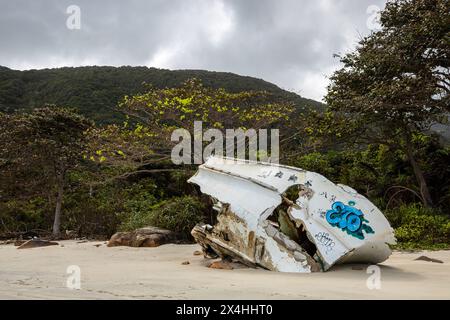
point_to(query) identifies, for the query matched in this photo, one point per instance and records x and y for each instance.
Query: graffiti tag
(349, 219)
(279, 174)
(325, 240)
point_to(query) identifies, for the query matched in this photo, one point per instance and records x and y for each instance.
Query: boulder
(145, 237)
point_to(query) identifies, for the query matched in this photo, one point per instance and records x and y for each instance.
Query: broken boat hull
(260, 226)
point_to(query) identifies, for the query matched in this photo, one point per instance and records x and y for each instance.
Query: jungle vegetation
(88, 149)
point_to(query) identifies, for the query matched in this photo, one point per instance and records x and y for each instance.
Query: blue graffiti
(349, 219)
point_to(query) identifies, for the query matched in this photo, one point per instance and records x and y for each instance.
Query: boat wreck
(287, 219)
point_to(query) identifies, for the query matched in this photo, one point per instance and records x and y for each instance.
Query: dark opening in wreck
(282, 220)
(292, 229)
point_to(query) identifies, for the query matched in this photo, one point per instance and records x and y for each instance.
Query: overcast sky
(287, 42)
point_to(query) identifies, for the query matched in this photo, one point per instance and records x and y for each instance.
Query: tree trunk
(424, 192)
(59, 198)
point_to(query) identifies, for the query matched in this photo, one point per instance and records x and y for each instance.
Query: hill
(95, 91)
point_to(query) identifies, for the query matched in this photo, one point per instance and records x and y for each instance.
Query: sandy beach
(159, 273)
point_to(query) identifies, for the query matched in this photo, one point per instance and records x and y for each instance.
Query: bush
(179, 214)
(24, 215)
(416, 226)
(316, 162)
(99, 213)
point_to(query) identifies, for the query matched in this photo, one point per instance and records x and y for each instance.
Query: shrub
(178, 214)
(24, 215)
(416, 226)
(99, 213)
(316, 162)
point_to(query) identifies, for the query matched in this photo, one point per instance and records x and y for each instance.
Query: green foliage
(98, 211)
(95, 91)
(24, 215)
(370, 171)
(317, 162)
(146, 135)
(394, 72)
(396, 83)
(179, 214)
(192, 101)
(419, 227)
(39, 149)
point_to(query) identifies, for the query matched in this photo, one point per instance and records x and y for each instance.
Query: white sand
(158, 273)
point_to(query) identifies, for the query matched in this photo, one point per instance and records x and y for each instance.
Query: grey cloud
(288, 42)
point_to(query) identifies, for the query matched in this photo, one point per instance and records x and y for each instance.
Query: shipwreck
(287, 219)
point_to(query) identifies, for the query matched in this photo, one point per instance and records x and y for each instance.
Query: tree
(396, 84)
(41, 148)
(145, 138)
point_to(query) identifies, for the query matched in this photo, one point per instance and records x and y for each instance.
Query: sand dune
(158, 273)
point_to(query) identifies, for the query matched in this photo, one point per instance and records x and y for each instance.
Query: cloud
(287, 42)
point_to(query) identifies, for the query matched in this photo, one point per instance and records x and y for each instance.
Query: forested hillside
(95, 91)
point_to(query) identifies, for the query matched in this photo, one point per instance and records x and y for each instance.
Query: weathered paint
(247, 193)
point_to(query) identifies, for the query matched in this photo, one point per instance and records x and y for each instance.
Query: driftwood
(37, 243)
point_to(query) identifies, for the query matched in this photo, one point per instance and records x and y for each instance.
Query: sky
(287, 42)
